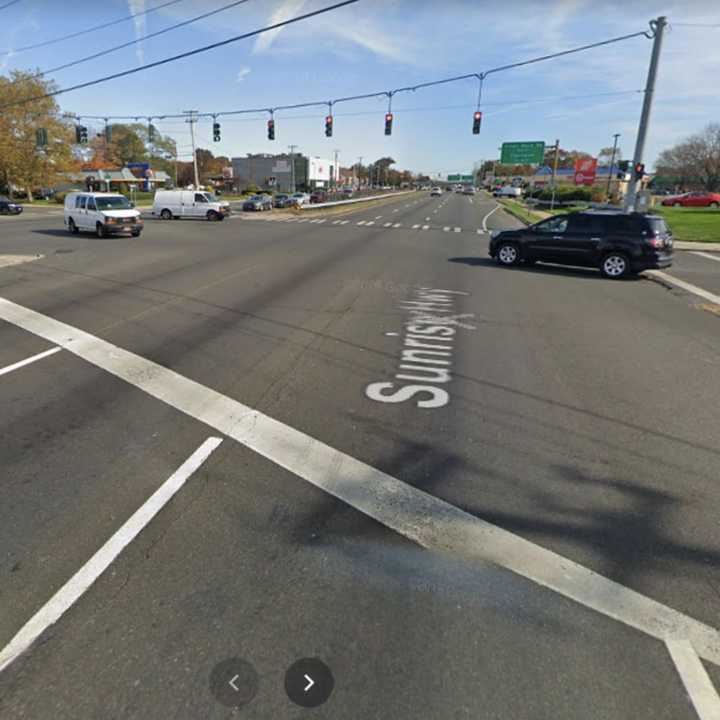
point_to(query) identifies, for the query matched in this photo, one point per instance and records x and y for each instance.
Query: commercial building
(282, 173)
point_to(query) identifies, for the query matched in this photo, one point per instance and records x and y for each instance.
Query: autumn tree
(24, 112)
(695, 160)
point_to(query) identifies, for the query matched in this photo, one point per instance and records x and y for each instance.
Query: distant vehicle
(694, 199)
(347, 192)
(8, 207)
(258, 202)
(299, 198)
(169, 204)
(468, 190)
(508, 191)
(458, 188)
(318, 196)
(282, 200)
(102, 213)
(617, 243)
(436, 191)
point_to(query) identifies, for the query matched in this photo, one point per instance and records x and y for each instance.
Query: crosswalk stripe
(457, 229)
(397, 225)
(344, 222)
(387, 225)
(426, 227)
(303, 220)
(480, 232)
(415, 227)
(362, 222)
(320, 222)
(446, 228)
(336, 222)
(369, 222)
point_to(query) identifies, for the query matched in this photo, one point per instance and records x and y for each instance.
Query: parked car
(694, 199)
(282, 200)
(169, 204)
(469, 190)
(300, 198)
(258, 202)
(102, 213)
(435, 191)
(8, 207)
(617, 243)
(347, 192)
(318, 196)
(508, 191)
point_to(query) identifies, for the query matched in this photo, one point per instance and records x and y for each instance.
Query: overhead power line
(197, 18)
(180, 56)
(45, 43)
(7, 5)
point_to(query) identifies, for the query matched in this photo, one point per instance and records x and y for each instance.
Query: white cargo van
(169, 204)
(102, 213)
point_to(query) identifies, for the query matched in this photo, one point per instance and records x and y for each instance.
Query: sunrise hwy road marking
(423, 518)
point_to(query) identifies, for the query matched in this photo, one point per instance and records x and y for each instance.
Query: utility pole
(292, 166)
(554, 172)
(192, 119)
(658, 28)
(612, 163)
(360, 159)
(337, 170)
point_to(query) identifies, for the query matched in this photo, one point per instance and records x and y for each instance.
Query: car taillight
(656, 241)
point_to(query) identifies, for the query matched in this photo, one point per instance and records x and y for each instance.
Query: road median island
(342, 207)
(521, 212)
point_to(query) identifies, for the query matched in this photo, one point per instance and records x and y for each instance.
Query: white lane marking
(471, 201)
(370, 222)
(304, 220)
(27, 361)
(484, 220)
(699, 687)
(336, 222)
(321, 221)
(361, 222)
(387, 225)
(377, 217)
(425, 227)
(457, 229)
(480, 232)
(423, 518)
(74, 588)
(435, 212)
(706, 255)
(415, 227)
(427, 219)
(686, 286)
(395, 210)
(446, 228)
(397, 225)
(344, 222)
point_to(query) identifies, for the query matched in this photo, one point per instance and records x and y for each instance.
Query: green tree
(695, 161)
(22, 162)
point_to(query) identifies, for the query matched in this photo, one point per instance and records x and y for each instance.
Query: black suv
(617, 243)
(8, 207)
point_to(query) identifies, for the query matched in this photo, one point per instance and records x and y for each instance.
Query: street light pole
(360, 159)
(292, 166)
(192, 119)
(554, 172)
(612, 163)
(658, 27)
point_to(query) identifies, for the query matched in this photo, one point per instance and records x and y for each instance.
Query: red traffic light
(388, 123)
(271, 129)
(477, 118)
(478, 115)
(639, 170)
(328, 125)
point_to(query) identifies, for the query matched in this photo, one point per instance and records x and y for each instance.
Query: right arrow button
(309, 682)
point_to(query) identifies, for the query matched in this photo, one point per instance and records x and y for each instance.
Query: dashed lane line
(27, 361)
(425, 227)
(457, 229)
(397, 225)
(415, 227)
(446, 228)
(361, 222)
(388, 224)
(369, 222)
(423, 518)
(74, 588)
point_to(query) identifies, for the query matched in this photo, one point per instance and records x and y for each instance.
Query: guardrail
(310, 206)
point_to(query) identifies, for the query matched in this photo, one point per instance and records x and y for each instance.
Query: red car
(318, 196)
(694, 199)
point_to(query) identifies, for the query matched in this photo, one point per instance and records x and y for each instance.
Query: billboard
(585, 171)
(318, 169)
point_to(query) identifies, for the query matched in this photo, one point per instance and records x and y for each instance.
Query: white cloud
(140, 25)
(286, 10)
(243, 72)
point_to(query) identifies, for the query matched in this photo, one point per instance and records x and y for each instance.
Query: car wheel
(100, 230)
(135, 233)
(508, 254)
(677, 204)
(166, 214)
(714, 205)
(4, 211)
(615, 265)
(72, 227)
(212, 216)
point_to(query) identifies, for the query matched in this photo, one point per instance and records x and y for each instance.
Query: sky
(378, 45)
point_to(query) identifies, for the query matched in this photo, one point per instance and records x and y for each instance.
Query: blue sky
(376, 45)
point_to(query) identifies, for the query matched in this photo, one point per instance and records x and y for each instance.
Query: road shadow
(541, 268)
(52, 233)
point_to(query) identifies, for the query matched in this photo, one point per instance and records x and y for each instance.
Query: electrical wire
(141, 39)
(180, 56)
(7, 5)
(45, 43)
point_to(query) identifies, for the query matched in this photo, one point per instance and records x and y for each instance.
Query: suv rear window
(658, 225)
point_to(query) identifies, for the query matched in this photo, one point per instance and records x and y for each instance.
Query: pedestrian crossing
(364, 223)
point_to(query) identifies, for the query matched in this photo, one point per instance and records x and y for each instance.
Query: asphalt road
(576, 414)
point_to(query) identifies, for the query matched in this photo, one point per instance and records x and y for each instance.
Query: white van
(169, 204)
(102, 213)
(508, 191)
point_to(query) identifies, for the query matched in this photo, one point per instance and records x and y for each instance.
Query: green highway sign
(460, 178)
(522, 153)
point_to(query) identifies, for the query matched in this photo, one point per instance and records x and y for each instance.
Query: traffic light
(328, 126)
(623, 167)
(41, 137)
(151, 132)
(81, 134)
(639, 170)
(216, 131)
(388, 123)
(271, 129)
(108, 134)
(477, 119)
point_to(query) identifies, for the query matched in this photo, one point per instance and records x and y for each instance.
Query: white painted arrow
(311, 682)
